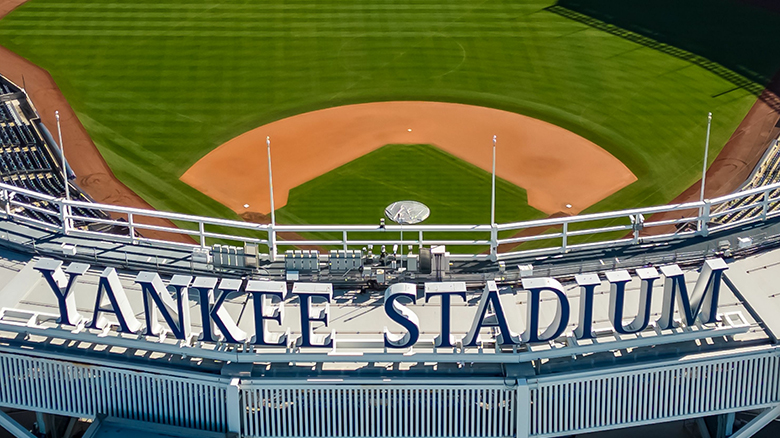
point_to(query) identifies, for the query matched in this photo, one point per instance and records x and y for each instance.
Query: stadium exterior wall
(551, 406)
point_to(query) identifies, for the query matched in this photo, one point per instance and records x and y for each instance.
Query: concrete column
(523, 409)
(233, 407)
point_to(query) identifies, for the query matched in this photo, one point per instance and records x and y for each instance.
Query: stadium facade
(256, 339)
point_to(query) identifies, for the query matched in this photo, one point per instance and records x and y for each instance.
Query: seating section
(29, 162)
(5, 115)
(767, 172)
(7, 87)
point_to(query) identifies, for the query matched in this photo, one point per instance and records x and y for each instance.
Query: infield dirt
(555, 166)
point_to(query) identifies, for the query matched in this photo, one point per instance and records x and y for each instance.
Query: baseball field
(158, 86)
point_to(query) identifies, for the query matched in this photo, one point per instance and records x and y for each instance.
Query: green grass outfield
(158, 84)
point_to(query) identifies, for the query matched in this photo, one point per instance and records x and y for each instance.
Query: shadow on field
(734, 39)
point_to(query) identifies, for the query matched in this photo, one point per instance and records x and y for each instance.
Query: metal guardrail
(590, 402)
(528, 238)
(74, 389)
(539, 406)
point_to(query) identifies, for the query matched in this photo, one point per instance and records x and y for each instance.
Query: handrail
(555, 235)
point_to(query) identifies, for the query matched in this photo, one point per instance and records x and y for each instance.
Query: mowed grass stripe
(203, 16)
(324, 27)
(160, 95)
(163, 24)
(420, 6)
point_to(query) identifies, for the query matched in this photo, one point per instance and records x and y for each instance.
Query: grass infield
(160, 84)
(457, 192)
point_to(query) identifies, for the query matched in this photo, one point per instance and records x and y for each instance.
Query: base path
(92, 173)
(7, 6)
(555, 166)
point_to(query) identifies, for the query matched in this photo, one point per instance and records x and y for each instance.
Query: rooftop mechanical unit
(341, 262)
(227, 256)
(302, 260)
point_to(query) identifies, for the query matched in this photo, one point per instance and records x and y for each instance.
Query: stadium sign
(270, 298)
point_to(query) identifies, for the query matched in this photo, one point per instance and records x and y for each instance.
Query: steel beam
(704, 432)
(757, 423)
(13, 427)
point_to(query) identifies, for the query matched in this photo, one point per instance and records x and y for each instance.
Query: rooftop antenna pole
(493, 187)
(706, 149)
(270, 181)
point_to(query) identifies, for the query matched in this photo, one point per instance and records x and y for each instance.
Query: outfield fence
(466, 242)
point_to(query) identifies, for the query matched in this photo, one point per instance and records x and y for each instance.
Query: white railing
(76, 390)
(470, 242)
(601, 400)
(546, 406)
(398, 410)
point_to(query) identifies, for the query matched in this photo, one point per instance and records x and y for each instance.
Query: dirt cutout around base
(92, 173)
(555, 166)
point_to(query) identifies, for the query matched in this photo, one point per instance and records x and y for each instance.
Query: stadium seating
(5, 115)
(29, 162)
(6, 87)
(767, 172)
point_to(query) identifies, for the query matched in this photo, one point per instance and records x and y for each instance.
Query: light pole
(62, 152)
(65, 208)
(271, 231)
(706, 149)
(493, 232)
(493, 187)
(270, 181)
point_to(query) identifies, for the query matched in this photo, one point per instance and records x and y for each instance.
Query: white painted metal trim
(558, 241)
